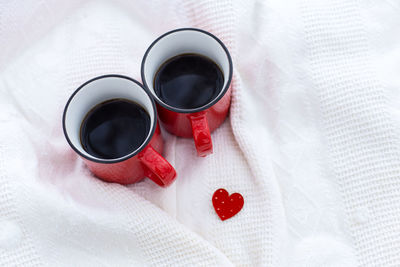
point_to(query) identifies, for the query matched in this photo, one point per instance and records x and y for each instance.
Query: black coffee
(114, 128)
(188, 81)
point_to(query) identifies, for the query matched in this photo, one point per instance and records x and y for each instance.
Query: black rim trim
(109, 161)
(211, 103)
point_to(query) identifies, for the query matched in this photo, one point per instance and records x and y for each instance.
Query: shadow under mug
(145, 161)
(197, 122)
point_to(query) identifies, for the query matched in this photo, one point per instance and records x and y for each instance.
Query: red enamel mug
(197, 122)
(145, 161)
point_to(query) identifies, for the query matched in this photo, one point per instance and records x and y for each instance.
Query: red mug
(133, 167)
(197, 122)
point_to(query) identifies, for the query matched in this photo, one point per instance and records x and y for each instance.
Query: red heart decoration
(225, 205)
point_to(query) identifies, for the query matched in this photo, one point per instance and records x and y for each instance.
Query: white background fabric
(312, 140)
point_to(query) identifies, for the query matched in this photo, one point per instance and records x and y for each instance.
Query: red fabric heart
(226, 205)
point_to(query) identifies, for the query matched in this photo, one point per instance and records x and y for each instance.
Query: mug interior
(183, 41)
(96, 91)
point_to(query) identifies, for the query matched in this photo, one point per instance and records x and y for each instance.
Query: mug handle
(157, 168)
(201, 134)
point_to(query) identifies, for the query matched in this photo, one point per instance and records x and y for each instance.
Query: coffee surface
(188, 81)
(114, 128)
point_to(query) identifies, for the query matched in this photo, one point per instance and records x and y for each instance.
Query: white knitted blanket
(312, 140)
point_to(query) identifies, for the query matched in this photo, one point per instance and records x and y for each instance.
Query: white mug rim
(120, 159)
(193, 110)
